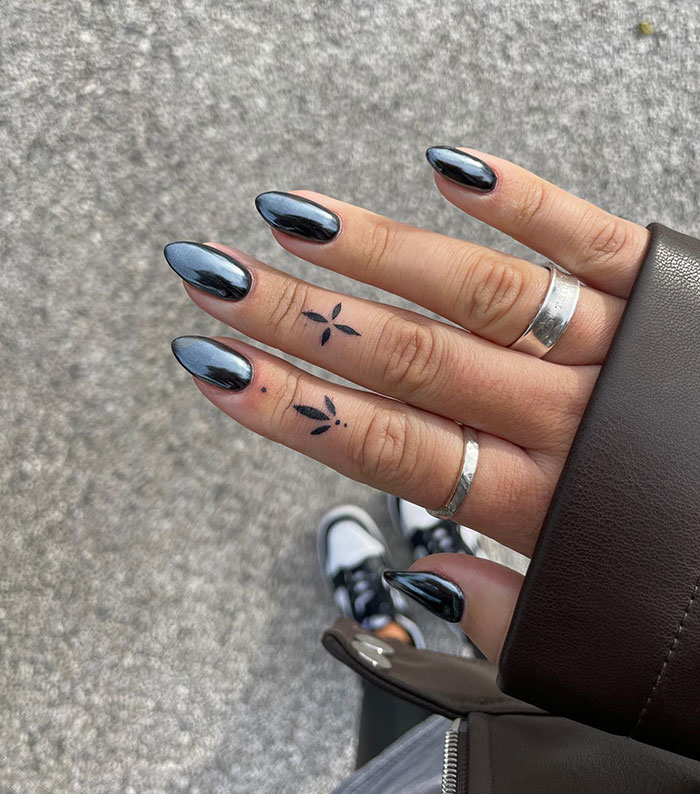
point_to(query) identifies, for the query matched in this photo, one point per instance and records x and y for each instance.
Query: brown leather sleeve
(607, 627)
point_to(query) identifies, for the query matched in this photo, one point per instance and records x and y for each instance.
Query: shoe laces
(442, 537)
(367, 594)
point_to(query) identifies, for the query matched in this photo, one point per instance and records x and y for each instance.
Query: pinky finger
(477, 593)
(391, 446)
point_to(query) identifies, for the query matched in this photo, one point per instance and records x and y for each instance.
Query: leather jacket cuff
(607, 627)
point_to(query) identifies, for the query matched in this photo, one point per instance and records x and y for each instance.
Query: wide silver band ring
(466, 475)
(553, 316)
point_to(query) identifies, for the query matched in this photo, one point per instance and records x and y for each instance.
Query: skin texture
(425, 375)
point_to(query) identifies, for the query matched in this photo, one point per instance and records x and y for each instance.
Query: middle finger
(487, 292)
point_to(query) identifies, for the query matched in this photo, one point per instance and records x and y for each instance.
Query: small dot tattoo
(264, 389)
(337, 421)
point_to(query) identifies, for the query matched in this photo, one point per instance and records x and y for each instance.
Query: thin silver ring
(553, 316)
(466, 475)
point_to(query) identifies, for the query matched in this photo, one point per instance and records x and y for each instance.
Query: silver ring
(466, 475)
(553, 316)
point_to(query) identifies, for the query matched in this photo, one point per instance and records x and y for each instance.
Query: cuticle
(252, 369)
(325, 207)
(341, 226)
(242, 355)
(253, 282)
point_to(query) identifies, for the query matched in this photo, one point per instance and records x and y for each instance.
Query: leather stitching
(669, 655)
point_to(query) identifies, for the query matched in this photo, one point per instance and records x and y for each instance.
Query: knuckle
(384, 453)
(414, 355)
(380, 242)
(495, 286)
(287, 395)
(289, 306)
(531, 203)
(607, 242)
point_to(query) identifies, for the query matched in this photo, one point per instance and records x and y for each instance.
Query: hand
(426, 375)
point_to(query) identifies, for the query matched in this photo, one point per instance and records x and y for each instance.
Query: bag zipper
(454, 759)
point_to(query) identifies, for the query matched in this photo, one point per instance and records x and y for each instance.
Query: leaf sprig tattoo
(326, 335)
(320, 416)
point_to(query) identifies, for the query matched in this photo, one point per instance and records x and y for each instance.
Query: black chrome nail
(462, 168)
(442, 597)
(213, 362)
(209, 270)
(298, 216)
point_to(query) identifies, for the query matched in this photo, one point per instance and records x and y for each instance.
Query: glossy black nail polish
(462, 168)
(298, 216)
(213, 362)
(209, 270)
(440, 596)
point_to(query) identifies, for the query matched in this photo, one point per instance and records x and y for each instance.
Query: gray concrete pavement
(159, 604)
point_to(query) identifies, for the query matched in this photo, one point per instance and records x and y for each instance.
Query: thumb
(477, 593)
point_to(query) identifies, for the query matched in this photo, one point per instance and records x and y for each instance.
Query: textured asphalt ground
(159, 603)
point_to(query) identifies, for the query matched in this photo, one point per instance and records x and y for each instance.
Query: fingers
(403, 355)
(487, 292)
(391, 446)
(603, 250)
(477, 593)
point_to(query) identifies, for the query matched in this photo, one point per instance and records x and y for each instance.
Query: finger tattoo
(326, 335)
(321, 416)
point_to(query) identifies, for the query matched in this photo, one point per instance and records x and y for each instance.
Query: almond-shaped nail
(438, 595)
(462, 168)
(209, 269)
(298, 216)
(213, 362)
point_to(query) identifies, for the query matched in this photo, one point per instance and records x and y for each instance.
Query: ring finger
(485, 291)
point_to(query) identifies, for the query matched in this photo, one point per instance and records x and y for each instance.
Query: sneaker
(353, 555)
(426, 534)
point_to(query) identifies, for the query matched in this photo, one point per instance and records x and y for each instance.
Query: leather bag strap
(607, 627)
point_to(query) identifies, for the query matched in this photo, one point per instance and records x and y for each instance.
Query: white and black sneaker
(426, 534)
(353, 555)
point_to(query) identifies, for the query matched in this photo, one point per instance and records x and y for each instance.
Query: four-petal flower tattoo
(326, 335)
(320, 416)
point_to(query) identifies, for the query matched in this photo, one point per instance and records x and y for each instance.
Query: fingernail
(209, 270)
(213, 362)
(462, 168)
(298, 216)
(440, 596)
